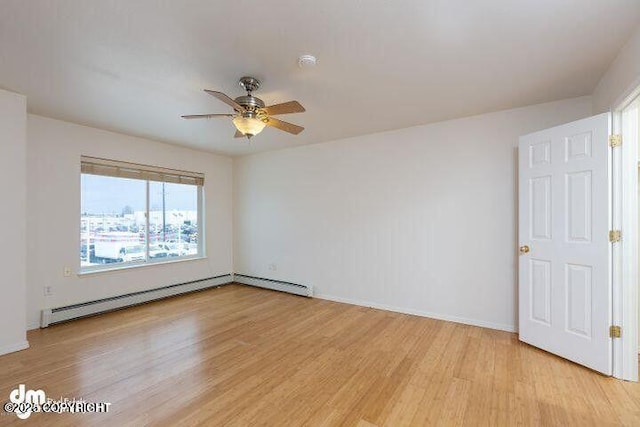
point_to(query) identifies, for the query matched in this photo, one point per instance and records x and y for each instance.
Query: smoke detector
(307, 61)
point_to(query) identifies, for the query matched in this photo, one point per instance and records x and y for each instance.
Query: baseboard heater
(52, 316)
(276, 285)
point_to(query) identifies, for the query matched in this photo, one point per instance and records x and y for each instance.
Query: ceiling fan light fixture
(249, 126)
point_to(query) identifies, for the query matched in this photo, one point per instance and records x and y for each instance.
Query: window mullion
(200, 215)
(147, 226)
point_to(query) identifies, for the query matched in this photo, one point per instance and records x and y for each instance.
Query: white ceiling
(136, 66)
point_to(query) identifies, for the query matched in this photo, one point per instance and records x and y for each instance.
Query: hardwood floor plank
(242, 356)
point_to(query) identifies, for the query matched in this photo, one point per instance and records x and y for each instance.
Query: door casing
(625, 254)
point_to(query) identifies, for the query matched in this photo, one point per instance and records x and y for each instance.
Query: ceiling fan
(250, 115)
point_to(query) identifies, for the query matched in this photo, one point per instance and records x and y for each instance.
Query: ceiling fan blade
(224, 98)
(285, 108)
(238, 134)
(285, 126)
(205, 116)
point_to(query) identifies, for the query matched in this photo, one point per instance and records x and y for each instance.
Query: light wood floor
(245, 356)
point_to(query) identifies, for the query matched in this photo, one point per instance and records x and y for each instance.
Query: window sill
(123, 268)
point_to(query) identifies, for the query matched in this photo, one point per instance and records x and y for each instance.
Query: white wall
(13, 117)
(420, 220)
(622, 76)
(53, 201)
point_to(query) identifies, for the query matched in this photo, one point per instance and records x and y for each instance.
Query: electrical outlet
(67, 272)
(48, 291)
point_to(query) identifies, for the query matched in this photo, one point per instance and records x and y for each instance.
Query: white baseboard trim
(10, 348)
(431, 315)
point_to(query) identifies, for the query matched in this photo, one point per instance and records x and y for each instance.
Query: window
(134, 214)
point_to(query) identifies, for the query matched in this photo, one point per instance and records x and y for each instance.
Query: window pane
(112, 224)
(173, 220)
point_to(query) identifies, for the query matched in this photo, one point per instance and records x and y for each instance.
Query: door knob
(524, 249)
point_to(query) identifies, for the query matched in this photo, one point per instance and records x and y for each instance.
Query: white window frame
(148, 261)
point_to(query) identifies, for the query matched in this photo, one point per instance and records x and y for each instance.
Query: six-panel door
(564, 217)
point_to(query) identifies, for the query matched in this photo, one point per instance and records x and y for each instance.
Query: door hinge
(615, 331)
(615, 236)
(615, 140)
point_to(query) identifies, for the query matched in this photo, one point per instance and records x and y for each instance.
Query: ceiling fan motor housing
(250, 102)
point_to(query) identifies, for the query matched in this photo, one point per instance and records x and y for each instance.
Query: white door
(564, 221)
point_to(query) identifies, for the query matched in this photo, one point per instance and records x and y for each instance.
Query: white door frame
(625, 254)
